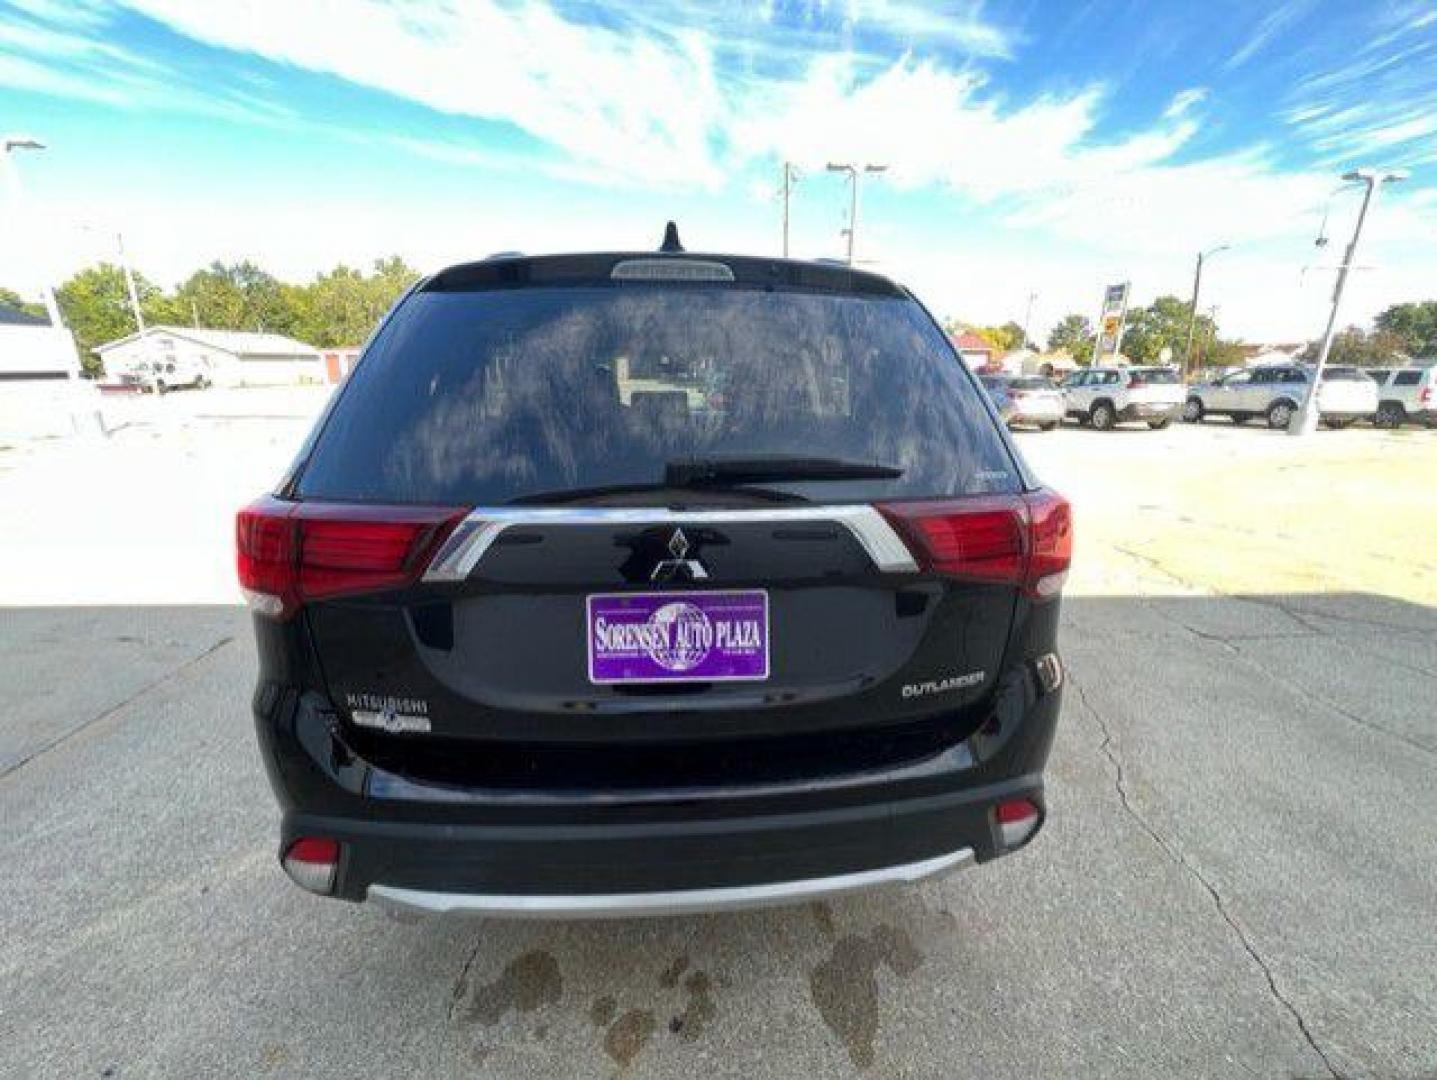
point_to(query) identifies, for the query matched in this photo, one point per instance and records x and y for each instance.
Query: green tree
(95, 305)
(11, 299)
(237, 296)
(1074, 335)
(343, 306)
(1415, 325)
(1357, 347)
(1164, 324)
(1004, 338)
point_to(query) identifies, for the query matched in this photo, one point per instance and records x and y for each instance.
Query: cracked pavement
(1238, 876)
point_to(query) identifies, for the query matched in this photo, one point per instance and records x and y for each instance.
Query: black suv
(649, 583)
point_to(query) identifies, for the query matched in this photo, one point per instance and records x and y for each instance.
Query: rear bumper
(1035, 414)
(1150, 410)
(667, 902)
(679, 864)
(412, 844)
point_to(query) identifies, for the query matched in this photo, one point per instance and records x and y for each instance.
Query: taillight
(292, 553)
(1017, 821)
(312, 862)
(1426, 396)
(1023, 540)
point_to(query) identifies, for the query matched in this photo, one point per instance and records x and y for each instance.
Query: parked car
(1274, 393)
(1107, 396)
(168, 373)
(1025, 399)
(1405, 394)
(1346, 395)
(539, 636)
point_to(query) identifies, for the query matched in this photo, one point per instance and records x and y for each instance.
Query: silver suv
(1276, 392)
(1106, 396)
(1405, 394)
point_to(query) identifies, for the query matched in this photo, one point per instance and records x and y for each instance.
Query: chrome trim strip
(677, 902)
(475, 535)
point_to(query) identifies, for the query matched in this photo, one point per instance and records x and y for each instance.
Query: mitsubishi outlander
(645, 583)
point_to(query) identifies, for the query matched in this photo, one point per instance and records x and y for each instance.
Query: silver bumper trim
(677, 902)
(476, 534)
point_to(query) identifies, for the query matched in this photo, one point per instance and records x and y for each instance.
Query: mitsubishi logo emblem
(679, 568)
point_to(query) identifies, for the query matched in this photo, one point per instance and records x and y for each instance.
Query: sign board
(1115, 311)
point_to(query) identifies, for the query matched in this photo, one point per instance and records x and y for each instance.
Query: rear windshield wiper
(717, 471)
(618, 491)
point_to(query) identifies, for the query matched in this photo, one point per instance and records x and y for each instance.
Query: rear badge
(383, 712)
(943, 686)
(678, 637)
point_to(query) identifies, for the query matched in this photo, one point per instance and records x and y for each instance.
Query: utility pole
(1304, 422)
(1027, 318)
(790, 175)
(853, 170)
(130, 284)
(1202, 257)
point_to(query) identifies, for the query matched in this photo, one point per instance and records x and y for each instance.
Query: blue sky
(1037, 147)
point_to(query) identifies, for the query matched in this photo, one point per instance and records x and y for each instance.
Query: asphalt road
(1239, 877)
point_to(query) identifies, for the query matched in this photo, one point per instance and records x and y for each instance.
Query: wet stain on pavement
(628, 1036)
(273, 1056)
(526, 983)
(601, 1012)
(699, 1010)
(845, 986)
(670, 977)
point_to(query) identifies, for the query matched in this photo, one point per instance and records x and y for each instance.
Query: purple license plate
(678, 636)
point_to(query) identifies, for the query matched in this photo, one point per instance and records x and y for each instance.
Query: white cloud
(639, 106)
(1272, 24)
(1060, 198)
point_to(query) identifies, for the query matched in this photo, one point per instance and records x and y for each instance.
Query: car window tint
(480, 397)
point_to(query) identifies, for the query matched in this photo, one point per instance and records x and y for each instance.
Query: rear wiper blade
(717, 471)
(607, 491)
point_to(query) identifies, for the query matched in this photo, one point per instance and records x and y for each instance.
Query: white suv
(1105, 396)
(1275, 393)
(1404, 394)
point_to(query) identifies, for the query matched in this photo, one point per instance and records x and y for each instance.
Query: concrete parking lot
(1239, 875)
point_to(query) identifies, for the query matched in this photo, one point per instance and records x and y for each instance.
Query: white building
(38, 396)
(221, 357)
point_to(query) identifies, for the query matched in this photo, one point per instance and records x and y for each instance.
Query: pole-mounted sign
(1110, 328)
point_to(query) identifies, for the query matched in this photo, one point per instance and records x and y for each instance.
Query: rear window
(483, 397)
(1154, 375)
(1031, 384)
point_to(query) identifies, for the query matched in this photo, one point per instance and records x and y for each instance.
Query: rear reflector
(291, 553)
(1017, 820)
(1024, 540)
(312, 862)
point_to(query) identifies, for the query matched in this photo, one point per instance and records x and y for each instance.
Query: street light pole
(853, 170)
(52, 309)
(1202, 257)
(1304, 422)
(790, 174)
